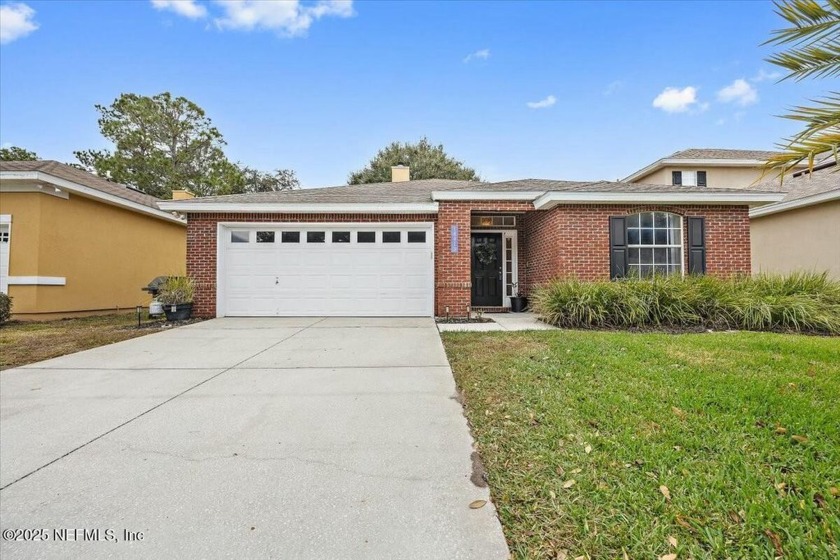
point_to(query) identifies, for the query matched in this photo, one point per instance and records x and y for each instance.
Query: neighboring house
(802, 231)
(74, 243)
(731, 169)
(438, 247)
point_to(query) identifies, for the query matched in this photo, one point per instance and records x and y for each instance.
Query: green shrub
(5, 308)
(176, 289)
(802, 302)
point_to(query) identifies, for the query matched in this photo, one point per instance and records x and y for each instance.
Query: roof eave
(657, 165)
(552, 199)
(196, 207)
(83, 190)
(795, 204)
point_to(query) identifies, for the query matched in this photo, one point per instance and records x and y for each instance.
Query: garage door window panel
(366, 237)
(316, 237)
(240, 236)
(341, 237)
(391, 236)
(290, 237)
(265, 237)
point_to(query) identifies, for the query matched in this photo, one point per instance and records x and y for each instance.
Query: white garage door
(330, 270)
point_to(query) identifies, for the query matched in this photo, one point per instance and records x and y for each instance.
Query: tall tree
(277, 180)
(426, 162)
(16, 153)
(812, 37)
(161, 143)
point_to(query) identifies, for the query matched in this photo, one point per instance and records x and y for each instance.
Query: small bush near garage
(5, 308)
(803, 302)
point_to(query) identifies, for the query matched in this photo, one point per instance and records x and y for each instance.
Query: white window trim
(222, 227)
(681, 246)
(513, 235)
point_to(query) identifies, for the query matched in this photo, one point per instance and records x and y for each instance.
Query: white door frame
(223, 226)
(6, 220)
(511, 234)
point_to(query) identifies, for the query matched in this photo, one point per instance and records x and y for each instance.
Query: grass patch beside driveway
(26, 342)
(723, 445)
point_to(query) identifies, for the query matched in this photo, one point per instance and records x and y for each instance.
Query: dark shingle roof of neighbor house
(421, 191)
(718, 153)
(70, 173)
(803, 184)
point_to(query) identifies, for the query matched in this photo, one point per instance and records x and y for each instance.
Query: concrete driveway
(244, 438)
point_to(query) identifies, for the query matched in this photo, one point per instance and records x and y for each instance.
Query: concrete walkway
(245, 438)
(526, 321)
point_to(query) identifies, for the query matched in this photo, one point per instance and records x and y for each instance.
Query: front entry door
(487, 270)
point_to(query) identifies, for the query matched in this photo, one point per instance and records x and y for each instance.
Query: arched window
(654, 244)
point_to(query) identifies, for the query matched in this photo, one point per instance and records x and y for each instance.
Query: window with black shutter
(701, 178)
(618, 247)
(696, 245)
(676, 178)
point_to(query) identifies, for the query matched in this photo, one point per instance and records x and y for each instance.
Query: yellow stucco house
(802, 232)
(72, 243)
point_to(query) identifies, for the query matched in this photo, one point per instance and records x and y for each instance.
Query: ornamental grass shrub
(5, 308)
(799, 302)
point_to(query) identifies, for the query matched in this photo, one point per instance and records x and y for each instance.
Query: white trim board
(486, 195)
(301, 208)
(23, 187)
(552, 199)
(37, 281)
(83, 190)
(794, 204)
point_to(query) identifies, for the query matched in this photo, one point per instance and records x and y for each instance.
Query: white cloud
(676, 100)
(763, 75)
(542, 103)
(482, 54)
(16, 21)
(739, 92)
(186, 8)
(614, 87)
(287, 17)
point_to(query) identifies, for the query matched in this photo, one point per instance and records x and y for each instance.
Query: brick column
(452, 270)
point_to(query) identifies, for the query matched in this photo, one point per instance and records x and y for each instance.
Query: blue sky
(552, 90)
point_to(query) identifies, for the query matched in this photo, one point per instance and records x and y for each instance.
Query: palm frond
(813, 36)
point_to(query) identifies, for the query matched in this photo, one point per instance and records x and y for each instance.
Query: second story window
(688, 178)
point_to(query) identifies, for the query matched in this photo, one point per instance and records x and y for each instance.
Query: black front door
(486, 269)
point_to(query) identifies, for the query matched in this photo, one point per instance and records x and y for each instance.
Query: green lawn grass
(583, 433)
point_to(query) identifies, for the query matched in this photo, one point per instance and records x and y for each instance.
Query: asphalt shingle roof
(70, 173)
(804, 184)
(421, 191)
(717, 153)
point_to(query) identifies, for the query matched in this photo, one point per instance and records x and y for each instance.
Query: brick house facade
(566, 240)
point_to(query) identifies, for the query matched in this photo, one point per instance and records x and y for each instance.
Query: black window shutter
(701, 178)
(676, 177)
(696, 245)
(618, 247)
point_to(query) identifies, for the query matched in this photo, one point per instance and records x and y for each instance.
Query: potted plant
(176, 295)
(518, 301)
